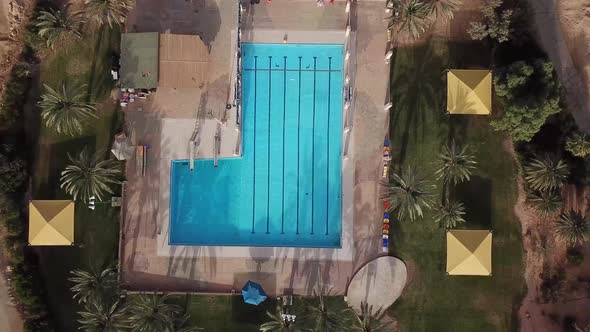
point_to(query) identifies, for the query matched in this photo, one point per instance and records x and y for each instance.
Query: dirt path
(574, 299)
(563, 29)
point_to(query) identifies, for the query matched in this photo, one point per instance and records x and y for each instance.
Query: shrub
(13, 172)
(496, 23)
(574, 256)
(528, 94)
(578, 144)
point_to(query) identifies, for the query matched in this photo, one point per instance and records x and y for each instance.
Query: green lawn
(432, 300)
(225, 313)
(96, 232)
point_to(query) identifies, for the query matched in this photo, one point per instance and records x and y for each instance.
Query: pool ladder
(217, 147)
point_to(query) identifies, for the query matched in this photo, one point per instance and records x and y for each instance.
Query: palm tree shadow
(416, 90)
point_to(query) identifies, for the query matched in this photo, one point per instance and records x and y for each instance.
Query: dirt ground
(575, 24)
(12, 15)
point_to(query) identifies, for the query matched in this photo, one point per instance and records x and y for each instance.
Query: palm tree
(410, 16)
(154, 314)
(369, 321)
(546, 203)
(408, 194)
(65, 111)
(111, 12)
(324, 317)
(88, 176)
(545, 173)
(450, 214)
(443, 9)
(92, 284)
(578, 145)
(278, 323)
(573, 228)
(544, 243)
(56, 26)
(101, 317)
(455, 164)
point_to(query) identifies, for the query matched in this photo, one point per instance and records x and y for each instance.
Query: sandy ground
(9, 317)
(12, 13)
(563, 29)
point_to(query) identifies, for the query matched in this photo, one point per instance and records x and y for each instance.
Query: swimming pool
(285, 190)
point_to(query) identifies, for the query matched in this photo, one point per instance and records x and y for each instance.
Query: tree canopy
(13, 173)
(528, 93)
(496, 23)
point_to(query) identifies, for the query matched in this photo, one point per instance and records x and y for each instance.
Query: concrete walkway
(148, 263)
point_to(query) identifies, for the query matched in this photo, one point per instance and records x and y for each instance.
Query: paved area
(379, 283)
(148, 263)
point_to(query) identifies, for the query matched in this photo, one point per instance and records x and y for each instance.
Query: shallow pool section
(285, 190)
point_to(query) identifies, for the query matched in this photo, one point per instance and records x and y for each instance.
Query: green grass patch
(432, 300)
(88, 62)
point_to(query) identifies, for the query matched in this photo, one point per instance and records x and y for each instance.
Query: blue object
(285, 190)
(253, 293)
(386, 142)
(386, 215)
(385, 242)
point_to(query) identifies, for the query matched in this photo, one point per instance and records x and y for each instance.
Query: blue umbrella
(253, 293)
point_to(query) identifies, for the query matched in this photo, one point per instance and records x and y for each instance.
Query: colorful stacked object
(385, 228)
(386, 158)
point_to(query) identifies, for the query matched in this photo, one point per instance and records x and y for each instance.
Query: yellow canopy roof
(469, 92)
(469, 252)
(51, 223)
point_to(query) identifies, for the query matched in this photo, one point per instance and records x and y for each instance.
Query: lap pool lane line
(313, 143)
(254, 147)
(284, 113)
(328, 145)
(268, 148)
(298, 141)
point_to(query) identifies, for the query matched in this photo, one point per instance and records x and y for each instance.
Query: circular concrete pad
(379, 283)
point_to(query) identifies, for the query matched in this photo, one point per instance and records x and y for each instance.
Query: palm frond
(57, 26)
(92, 284)
(455, 164)
(323, 316)
(450, 214)
(443, 9)
(370, 321)
(98, 316)
(573, 228)
(88, 176)
(545, 203)
(66, 111)
(111, 12)
(413, 18)
(545, 173)
(277, 323)
(151, 313)
(578, 145)
(408, 194)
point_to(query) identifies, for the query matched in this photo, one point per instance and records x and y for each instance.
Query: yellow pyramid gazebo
(51, 223)
(469, 92)
(469, 252)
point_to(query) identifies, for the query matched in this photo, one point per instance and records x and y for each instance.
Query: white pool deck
(168, 121)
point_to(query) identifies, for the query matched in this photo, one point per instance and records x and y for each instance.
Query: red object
(331, 2)
(386, 204)
(386, 226)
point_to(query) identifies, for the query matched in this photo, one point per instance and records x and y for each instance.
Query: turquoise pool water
(285, 190)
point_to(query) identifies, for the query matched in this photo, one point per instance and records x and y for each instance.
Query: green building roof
(139, 60)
